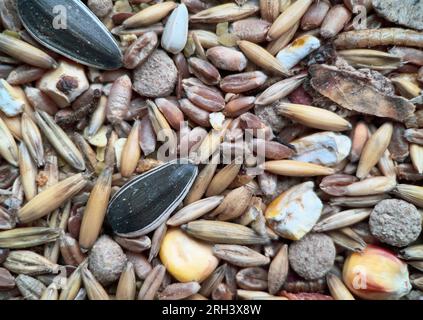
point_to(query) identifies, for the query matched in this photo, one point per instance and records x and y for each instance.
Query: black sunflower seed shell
(69, 28)
(147, 201)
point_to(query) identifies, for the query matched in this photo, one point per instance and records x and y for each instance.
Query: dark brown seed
(179, 291)
(212, 281)
(227, 58)
(136, 245)
(251, 121)
(222, 292)
(398, 146)
(81, 107)
(195, 6)
(141, 265)
(194, 113)
(314, 16)
(9, 15)
(204, 71)
(25, 74)
(251, 29)
(295, 284)
(112, 75)
(152, 283)
(119, 99)
(205, 97)
(407, 171)
(7, 281)
(147, 135)
(183, 72)
(242, 82)
(139, 51)
(74, 222)
(39, 100)
(71, 252)
(171, 112)
(8, 175)
(236, 107)
(3, 255)
(274, 150)
(252, 279)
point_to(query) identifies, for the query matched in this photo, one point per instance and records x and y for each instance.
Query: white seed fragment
(324, 148)
(295, 212)
(10, 103)
(175, 33)
(297, 51)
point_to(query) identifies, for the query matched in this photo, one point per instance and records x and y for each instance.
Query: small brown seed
(204, 71)
(152, 283)
(70, 250)
(252, 279)
(250, 29)
(179, 291)
(278, 270)
(240, 256)
(335, 20)
(205, 98)
(194, 113)
(140, 50)
(227, 58)
(236, 107)
(119, 99)
(242, 82)
(315, 15)
(7, 281)
(148, 139)
(171, 112)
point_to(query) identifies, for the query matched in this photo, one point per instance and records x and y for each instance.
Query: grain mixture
(221, 150)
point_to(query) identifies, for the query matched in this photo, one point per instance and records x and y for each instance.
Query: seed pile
(332, 94)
